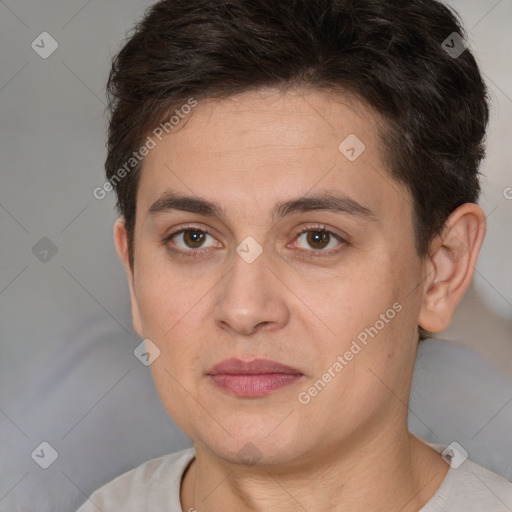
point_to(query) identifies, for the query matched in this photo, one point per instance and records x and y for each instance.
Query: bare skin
(348, 447)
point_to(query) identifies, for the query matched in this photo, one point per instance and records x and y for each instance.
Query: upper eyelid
(319, 227)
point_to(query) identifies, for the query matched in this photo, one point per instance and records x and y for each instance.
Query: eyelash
(195, 253)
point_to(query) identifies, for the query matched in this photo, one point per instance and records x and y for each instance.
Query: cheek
(174, 314)
(165, 295)
(358, 298)
(168, 308)
(372, 314)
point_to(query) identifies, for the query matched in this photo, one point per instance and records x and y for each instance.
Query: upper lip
(254, 367)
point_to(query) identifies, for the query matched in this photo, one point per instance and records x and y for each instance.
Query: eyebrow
(328, 201)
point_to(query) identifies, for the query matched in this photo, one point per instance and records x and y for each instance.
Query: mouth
(255, 378)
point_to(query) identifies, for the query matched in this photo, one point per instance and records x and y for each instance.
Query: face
(308, 262)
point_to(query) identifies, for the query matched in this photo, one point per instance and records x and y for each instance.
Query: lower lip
(250, 385)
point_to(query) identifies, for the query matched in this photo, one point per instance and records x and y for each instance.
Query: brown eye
(189, 241)
(193, 238)
(317, 240)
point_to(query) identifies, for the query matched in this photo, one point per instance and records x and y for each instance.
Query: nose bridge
(249, 296)
(248, 278)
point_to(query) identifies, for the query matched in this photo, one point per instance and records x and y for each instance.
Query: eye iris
(318, 237)
(193, 238)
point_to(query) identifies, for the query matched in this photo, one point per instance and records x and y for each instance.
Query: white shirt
(155, 486)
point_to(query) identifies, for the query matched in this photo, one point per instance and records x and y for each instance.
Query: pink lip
(254, 378)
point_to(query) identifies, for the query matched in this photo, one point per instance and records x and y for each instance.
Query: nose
(251, 298)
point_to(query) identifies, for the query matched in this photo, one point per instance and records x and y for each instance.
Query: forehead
(265, 146)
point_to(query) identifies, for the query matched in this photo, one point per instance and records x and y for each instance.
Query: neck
(386, 472)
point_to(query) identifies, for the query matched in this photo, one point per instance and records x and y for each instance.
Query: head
(246, 123)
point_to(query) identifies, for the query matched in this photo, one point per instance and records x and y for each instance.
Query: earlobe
(451, 266)
(121, 243)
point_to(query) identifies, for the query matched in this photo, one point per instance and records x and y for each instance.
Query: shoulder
(155, 483)
(471, 488)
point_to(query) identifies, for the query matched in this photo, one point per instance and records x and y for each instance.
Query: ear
(121, 241)
(451, 265)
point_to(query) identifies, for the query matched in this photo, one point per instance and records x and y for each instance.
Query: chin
(247, 447)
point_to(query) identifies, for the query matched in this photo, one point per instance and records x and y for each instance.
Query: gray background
(68, 375)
